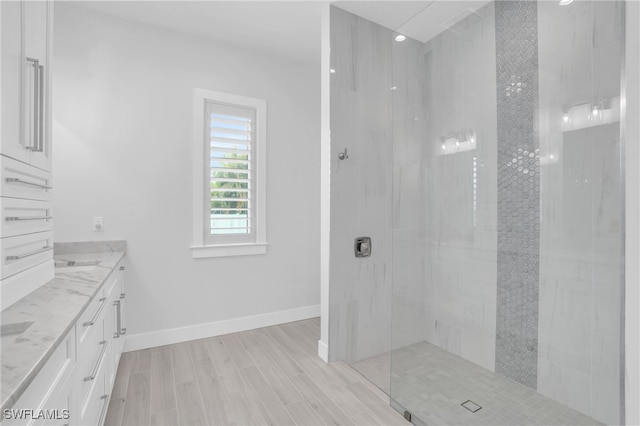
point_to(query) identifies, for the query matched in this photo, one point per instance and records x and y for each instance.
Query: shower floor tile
(433, 384)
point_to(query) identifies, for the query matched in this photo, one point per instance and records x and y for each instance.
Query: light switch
(98, 224)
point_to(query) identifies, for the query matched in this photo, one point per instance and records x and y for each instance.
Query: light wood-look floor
(266, 376)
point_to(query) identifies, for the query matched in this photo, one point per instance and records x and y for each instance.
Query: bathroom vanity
(61, 344)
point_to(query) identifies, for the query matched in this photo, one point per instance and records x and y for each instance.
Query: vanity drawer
(95, 404)
(43, 392)
(90, 378)
(20, 216)
(112, 282)
(90, 325)
(20, 180)
(24, 251)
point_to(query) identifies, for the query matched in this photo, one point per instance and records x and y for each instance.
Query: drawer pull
(17, 218)
(94, 373)
(33, 253)
(118, 319)
(103, 413)
(24, 182)
(95, 316)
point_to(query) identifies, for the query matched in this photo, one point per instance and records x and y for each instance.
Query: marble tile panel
(565, 385)
(605, 378)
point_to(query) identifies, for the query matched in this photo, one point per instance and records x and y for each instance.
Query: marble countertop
(34, 326)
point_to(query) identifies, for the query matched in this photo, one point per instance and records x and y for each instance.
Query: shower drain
(471, 406)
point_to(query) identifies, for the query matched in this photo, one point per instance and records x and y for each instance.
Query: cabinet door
(37, 105)
(11, 81)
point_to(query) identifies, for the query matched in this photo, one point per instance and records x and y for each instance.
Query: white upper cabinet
(11, 89)
(26, 82)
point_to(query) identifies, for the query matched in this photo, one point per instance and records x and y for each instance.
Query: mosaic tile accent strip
(518, 191)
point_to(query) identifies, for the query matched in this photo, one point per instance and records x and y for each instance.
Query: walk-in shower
(485, 164)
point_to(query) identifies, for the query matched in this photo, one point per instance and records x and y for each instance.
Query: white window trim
(199, 249)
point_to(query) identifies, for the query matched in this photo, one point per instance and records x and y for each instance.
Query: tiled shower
(485, 164)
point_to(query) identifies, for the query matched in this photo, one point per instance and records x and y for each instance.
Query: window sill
(227, 250)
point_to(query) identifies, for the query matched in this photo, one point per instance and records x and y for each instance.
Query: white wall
(325, 179)
(122, 135)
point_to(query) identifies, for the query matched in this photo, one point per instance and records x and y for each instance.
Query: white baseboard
(323, 351)
(200, 331)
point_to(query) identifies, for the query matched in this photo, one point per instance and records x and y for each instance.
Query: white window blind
(229, 175)
(232, 137)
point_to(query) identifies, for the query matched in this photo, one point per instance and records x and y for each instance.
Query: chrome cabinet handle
(118, 319)
(33, 253)
(94, 373)
(122, 330)
(103, 413)
(36, 98)
(40, 145)
(92, 321)
(24, 182)
(18, 218)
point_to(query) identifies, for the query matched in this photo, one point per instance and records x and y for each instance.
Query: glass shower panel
(507, 217)
(360, 307)
(444, 249)
(581, 227)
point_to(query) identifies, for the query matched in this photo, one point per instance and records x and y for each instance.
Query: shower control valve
(362, 247)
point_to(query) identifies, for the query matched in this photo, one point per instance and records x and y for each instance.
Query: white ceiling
(420, 20)
(286, 28)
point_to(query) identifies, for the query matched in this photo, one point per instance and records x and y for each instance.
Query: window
(229, 175)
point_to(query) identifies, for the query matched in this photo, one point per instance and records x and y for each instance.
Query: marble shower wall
(378, 110)
(360, 292)
(459, 184)
(581, 208)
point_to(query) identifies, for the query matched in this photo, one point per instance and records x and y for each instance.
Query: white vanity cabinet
(75, 384)
(99, 349)
(26, 243)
